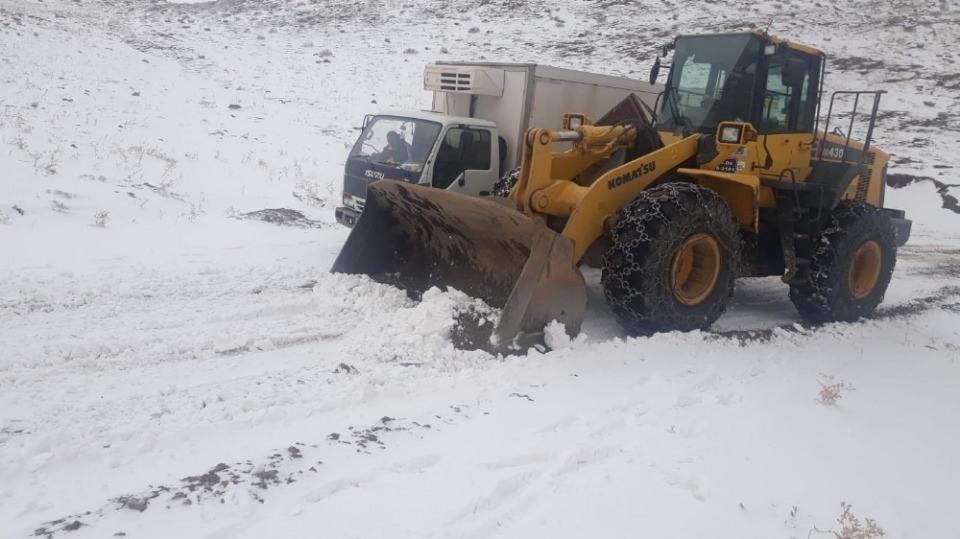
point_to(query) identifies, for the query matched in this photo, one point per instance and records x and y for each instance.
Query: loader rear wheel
(673, 260)
(850, 267)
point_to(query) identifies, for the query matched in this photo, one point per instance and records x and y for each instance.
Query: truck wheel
(674, 257)
(850, 267)
(506, 182)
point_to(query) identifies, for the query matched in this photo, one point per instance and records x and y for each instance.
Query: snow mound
(382, 323)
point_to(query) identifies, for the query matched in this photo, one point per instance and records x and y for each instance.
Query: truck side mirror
(793, 72)
(655, 71)
(366, 120)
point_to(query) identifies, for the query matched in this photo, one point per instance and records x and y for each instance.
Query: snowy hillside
(171, 365)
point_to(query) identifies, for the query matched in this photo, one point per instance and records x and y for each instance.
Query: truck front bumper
(347, 216)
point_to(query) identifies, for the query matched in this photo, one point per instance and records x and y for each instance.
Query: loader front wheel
(674, 257)
(850, 267)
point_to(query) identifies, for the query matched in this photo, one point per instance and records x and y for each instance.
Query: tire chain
(506, 182)
(634, 237)
(813, 297)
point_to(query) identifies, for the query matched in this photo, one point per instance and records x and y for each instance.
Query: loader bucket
(418, 237)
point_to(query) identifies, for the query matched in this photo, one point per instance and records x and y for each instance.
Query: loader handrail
(853, 116)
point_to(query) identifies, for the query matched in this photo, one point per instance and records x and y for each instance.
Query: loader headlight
(730, 134)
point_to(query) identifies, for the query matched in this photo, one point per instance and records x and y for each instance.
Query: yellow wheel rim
(865, 269)
(695, 269)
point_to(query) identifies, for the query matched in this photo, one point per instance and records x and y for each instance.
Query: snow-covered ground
(169, 368)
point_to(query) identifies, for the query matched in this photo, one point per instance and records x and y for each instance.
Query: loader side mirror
(366, 120)
(655, 71)
(793, 72)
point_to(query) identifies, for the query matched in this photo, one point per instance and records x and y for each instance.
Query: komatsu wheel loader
(736, 176)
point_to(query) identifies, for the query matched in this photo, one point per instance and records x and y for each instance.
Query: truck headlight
(352, 202)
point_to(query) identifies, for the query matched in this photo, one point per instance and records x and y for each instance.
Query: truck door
(467, 160)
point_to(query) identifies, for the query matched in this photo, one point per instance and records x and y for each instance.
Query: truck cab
(427, 148)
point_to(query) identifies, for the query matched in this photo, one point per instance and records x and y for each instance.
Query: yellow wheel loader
(735, 176)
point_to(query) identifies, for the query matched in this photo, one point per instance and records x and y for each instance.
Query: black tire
(639, 266)
(506, 182)
(830, 292)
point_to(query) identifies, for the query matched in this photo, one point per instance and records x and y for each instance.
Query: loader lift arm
(588, 207)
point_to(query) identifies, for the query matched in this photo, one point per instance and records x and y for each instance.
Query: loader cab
(749, 77)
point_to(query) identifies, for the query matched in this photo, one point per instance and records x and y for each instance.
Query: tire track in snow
(946, 298)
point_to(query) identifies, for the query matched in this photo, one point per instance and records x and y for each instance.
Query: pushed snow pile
(555, 336)
(382, 323)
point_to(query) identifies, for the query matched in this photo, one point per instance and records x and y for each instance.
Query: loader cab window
(712, 79)
(461, 149)
(789, 96)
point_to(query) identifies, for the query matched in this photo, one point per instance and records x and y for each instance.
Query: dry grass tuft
(831, 390)
(101, 218)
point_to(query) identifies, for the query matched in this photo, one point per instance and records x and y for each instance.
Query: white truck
(473, 134)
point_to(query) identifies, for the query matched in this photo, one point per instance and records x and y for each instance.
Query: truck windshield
(400, 142)
(712, 80)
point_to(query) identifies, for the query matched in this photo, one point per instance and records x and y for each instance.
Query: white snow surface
(167, 369)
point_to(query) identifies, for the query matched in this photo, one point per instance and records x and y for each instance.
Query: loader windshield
(399, 142)
(712, 79)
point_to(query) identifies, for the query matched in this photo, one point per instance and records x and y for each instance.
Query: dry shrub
(831, 390)
(851, 527)
(101, 218)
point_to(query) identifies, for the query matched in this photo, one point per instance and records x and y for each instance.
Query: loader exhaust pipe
(416, 237)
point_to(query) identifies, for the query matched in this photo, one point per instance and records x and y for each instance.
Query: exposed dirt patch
(950, 81)
(950, 202)
(283, 467)
(283, 217)
(473, 329)
(943, 121)
(859, 64)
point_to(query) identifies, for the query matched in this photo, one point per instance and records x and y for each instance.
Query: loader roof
(770, 38)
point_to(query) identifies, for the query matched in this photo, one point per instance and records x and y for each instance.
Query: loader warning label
(642, 169)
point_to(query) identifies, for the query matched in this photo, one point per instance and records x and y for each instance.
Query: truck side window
(461, 149)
